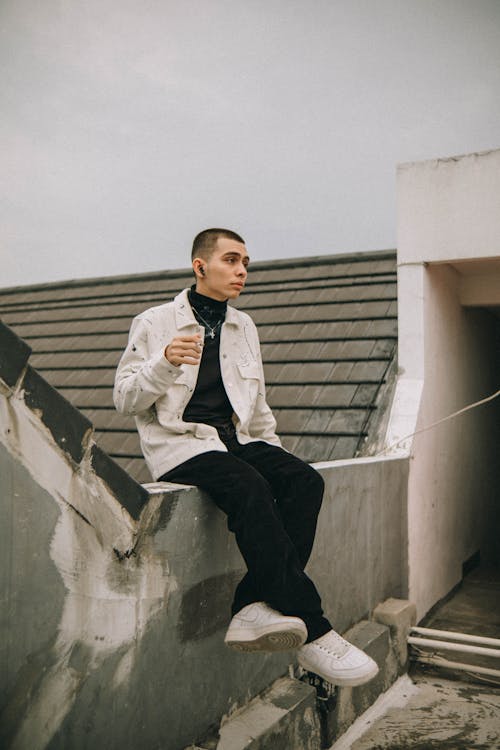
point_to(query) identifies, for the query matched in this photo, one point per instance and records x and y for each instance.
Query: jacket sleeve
(142, 376)
(262, 423)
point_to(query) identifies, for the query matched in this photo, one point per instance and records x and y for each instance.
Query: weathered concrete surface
(70, 610)
(399, 615)
(284, 716)
(360, 553)
(428, 713)
(105, 650)
(375, 640)
(32, 591)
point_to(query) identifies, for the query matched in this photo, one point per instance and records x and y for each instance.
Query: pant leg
(297, 488)
(275, 572)
(298, 491)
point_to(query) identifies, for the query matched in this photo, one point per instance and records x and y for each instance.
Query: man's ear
(199, 267)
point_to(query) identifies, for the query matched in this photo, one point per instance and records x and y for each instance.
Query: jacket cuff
(162, 369)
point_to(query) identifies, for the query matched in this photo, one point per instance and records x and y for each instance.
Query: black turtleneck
(209, 403)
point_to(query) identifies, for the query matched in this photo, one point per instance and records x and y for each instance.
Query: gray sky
(127, 126)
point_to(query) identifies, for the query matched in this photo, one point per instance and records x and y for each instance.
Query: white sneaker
(257, 627)
(337, 661)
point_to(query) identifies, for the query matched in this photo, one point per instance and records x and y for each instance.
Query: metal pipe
(453, 636)
(446, 646)
(437, 661)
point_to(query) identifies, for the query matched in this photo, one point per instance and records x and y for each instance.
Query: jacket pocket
(250, 370)
(249, 382)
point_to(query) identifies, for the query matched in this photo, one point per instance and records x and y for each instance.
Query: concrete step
(283, 717)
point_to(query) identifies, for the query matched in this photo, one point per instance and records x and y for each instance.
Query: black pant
(272, 500)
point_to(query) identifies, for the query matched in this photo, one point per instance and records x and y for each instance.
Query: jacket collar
(184, 314)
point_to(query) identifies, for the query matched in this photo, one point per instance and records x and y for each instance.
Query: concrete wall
(448, 209)
(449, 239)
(360, 551)
(113, 625)
(112, 628)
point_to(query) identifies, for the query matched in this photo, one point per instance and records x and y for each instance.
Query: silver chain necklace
(212, 330)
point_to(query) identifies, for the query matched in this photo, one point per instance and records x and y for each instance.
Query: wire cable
(440, 421)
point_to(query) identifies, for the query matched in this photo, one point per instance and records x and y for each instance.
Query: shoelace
(334, 644)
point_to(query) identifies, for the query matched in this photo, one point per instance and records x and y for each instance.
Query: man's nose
(242, 271)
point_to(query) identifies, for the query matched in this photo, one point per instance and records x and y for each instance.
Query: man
(192, 375)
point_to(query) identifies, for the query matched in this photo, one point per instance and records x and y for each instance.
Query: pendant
(212, 333)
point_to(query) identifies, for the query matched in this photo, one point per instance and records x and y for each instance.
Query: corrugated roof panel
(119, 443)
(347, 421)
(314, 445)
(292, 420)
(345, 447)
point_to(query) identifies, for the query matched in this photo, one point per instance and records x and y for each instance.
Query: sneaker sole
(280, 640)
(344, 681)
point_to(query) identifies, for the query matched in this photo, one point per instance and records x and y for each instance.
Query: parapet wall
(114, 617)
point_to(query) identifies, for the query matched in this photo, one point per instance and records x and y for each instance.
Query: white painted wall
(449, 212)
(449, 209)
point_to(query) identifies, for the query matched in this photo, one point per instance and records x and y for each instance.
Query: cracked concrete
(423, 713)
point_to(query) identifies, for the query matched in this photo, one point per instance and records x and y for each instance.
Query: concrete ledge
(131, 495)
(14, 355)
(281, 718)
(68, 426)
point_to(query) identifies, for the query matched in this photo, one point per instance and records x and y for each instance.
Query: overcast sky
(127, 126)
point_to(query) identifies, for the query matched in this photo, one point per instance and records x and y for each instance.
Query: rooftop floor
(427, 709)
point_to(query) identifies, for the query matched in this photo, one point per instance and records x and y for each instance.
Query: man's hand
(184, 351)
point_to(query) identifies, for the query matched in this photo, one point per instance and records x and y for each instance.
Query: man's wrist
(165, 354)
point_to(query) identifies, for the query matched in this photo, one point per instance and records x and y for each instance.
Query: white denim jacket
(156, 392)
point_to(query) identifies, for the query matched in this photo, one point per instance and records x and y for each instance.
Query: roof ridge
(314, 260)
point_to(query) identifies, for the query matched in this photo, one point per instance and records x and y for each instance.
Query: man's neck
(203, 291)
(203, 299)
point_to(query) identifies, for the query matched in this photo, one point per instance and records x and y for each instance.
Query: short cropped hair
(204, 243)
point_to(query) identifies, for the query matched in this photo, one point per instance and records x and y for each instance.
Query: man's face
(225, 271)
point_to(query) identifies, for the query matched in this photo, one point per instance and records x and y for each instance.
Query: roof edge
(310, 260)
